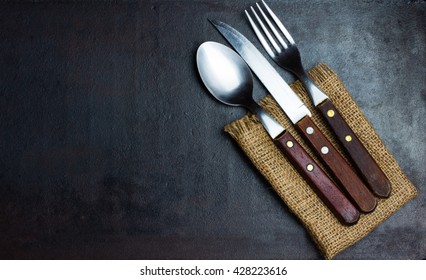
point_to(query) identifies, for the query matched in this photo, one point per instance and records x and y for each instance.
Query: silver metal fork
(283, 50)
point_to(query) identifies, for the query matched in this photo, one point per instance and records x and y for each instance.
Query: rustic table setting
(111, 147)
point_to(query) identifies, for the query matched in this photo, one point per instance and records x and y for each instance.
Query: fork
(283, 50)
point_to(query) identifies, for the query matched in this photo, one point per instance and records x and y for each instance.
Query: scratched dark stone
(111, 148)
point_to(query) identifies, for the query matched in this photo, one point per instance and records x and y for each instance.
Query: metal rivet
(309, 130)
(289, 144)
(330, 113)
(309, 167)
(324, 150)
(348, 138)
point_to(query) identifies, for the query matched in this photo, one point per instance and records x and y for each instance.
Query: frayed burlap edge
(330, 236)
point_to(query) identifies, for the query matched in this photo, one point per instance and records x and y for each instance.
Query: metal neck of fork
(317, 96)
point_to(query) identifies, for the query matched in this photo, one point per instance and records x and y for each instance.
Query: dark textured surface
(111, 147)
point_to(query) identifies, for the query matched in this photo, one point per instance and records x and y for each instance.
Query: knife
(300, 116)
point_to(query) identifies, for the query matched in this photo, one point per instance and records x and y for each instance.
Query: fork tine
(272, 27)
(259, 35)
(279, 23)
(266, 31)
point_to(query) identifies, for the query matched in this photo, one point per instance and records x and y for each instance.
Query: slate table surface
(111, 148)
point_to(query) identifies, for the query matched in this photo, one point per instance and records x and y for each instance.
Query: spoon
(228, 78)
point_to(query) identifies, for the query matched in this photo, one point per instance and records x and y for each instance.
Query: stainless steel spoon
(228, 78)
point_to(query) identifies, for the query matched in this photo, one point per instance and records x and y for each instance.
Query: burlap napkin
(330, 236)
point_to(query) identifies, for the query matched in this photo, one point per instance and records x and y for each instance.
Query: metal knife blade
(291, 104)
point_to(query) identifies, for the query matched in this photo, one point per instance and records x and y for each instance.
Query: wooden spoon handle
(325, 188)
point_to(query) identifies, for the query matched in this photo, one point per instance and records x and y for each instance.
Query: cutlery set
(227, 76)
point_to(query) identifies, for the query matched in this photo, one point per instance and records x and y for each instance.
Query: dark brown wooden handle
(370, 172)
(325, 188)
(345, 176)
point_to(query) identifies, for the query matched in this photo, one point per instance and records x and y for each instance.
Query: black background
(111, 147)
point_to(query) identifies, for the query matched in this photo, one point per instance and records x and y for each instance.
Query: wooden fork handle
(345, 176)
(323, 186)
(373, 176)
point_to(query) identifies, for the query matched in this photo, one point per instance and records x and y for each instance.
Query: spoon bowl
(229, 80)
(225, 74)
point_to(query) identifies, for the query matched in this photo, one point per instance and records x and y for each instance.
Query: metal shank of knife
(288, 100)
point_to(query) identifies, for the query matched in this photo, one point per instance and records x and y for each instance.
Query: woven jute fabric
(330, 236)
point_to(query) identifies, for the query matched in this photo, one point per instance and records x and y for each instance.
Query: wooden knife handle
(373, 176)
(330, 194)
(345, 176)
